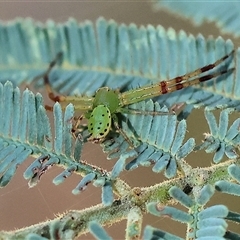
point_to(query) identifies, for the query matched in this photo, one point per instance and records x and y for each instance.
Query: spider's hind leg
(76, 131)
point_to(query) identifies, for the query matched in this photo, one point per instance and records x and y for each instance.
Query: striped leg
(181, 85)
(198, 71)
(157, 89)
(76, 131)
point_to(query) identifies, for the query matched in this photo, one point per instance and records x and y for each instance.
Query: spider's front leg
(80, 102)
(45, 76)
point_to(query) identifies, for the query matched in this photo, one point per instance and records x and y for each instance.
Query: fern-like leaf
(118, 56)
(160, 140)
(32, 136)
(226, 16)
(18, 127)
(203, 223)
(230, 187)
(221, 139)
(98, 232)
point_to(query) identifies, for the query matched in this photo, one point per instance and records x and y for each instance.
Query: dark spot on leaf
(105, 130)
(116, 203)
(101, 134)
(187, 189)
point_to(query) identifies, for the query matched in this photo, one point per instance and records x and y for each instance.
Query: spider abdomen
(99, 123)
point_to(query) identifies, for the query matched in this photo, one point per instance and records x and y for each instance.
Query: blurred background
(21, 206)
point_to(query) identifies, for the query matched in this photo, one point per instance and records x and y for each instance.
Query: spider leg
(48, 87)
(198, 71)
(50, 66)
(177, 83)
(197, 80)
(177, 106)
(140, 112)
(80, 102)
(45, 77)
(115, 121)
(75, 129)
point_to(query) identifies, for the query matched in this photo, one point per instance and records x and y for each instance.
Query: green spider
(101, 110)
